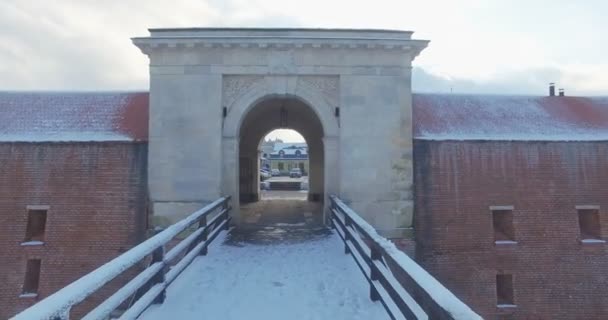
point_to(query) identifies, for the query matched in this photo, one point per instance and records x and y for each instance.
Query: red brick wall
(555, 276)
(97, 197)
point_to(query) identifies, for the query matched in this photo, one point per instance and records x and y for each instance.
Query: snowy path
(299, 281)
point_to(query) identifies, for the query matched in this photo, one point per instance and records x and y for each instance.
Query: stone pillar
(332, 174)
(316, 169)
(376, 150)
(230, 184)
(257, 176)
(248, 172)
(184, 159)
(254, 182)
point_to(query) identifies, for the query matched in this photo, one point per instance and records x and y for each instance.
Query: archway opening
(281, 173)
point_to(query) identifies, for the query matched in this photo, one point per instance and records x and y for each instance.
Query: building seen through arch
(284, 156)
(281, 113)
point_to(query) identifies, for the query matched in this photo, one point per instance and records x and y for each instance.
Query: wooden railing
(150, 284)
(403, 287)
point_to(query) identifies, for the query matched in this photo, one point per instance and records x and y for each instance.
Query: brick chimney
(561, 92)
(552, 89)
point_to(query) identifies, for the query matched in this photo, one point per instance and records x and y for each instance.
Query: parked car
(265, 185)
(295, 173)
(275, 172)
(264, 174)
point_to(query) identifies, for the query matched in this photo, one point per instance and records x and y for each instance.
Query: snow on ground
(297, 281)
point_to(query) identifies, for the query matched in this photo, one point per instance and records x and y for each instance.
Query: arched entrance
(271, 113)
(267, 115)
(268, 105)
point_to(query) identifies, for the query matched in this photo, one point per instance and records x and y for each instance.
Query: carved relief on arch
(247, 90)
(235, 86)
(327, 86)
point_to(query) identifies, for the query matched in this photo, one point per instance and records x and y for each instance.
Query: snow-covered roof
(73, 116)
(492, 117)
(278, 146)
(122, 116)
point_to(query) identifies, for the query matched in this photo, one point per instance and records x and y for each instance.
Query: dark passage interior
(291, 198)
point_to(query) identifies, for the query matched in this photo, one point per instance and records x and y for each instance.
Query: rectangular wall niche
(504, 290)
(589, 223)
(36, 224)
(502, 221)
(32, 277)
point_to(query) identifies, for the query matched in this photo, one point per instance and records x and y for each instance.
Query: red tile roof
(491, 117)
(82, 116)
(104, 116)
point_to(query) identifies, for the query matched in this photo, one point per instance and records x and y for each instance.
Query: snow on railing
(403, 287)
(149, 285)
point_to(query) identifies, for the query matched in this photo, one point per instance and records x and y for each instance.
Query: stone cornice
(284, 32)
(277, 40)
(278, 43)
(274, 30)
(330, 41)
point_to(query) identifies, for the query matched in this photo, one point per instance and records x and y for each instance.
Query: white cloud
(476, 45)
(576, 79)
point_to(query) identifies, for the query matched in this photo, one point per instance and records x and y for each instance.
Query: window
(32, 277)
(502, 221)
(281, 166)
(36, 223)
(504, 290)
(589, 222)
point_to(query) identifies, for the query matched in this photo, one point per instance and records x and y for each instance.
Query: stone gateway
(214, 93)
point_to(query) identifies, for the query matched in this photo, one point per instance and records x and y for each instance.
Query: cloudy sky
(477, 46)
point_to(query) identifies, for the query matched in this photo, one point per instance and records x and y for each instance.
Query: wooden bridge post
(332, 212)
(376, 255)
(158, 256)
(203, 224)
(347, 235)
(226, 208)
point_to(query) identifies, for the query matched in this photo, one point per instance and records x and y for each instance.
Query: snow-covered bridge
(242, 275)
(306, 280)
